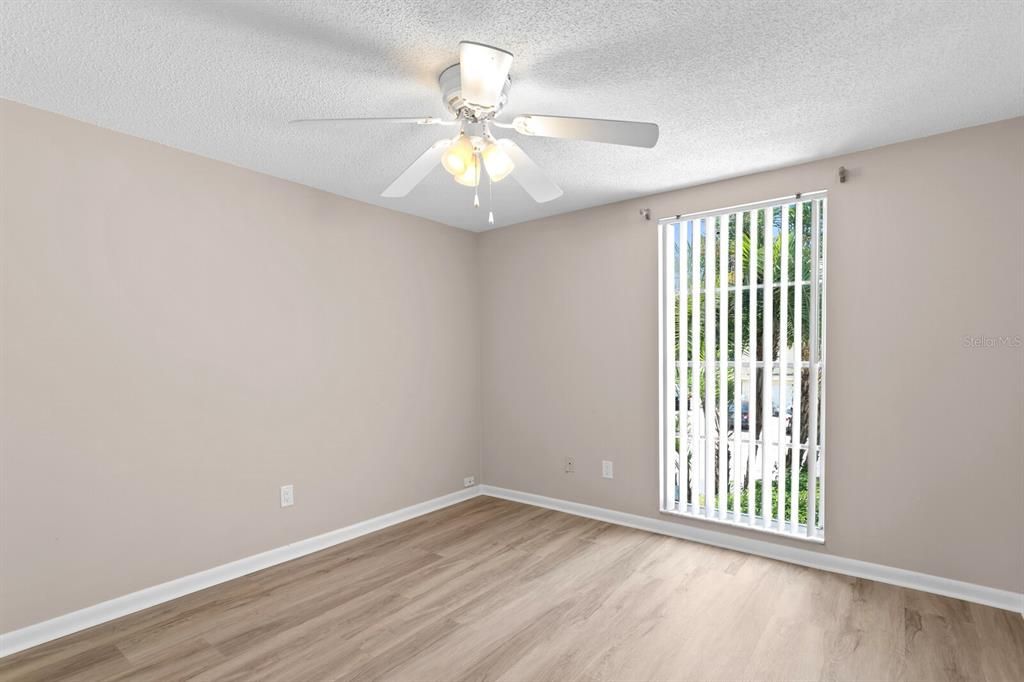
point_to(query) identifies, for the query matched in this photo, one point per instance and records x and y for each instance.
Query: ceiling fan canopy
(475, 91)
(478, 85)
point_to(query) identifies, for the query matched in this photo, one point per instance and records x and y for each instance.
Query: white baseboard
(69, 623)
(32, 635)
(1003, 599)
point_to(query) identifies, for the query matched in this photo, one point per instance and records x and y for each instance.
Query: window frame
(671, 266)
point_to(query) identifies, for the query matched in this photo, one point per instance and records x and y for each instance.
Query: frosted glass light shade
(498, 163)
(471, 176)
(459, 156)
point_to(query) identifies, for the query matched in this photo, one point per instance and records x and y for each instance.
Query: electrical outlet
(469, 481)
(570, 465)
(606, 469)
(287, 495)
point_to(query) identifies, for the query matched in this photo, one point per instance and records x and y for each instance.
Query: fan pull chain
(476, 185)
(490, 201)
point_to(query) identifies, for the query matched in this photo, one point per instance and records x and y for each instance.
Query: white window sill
(744, 523)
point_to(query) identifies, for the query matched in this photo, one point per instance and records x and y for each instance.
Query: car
(744, 415)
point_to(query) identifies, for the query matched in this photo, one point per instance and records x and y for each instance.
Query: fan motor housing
(450, 82)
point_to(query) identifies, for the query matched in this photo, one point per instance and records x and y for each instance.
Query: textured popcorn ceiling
(737, 87)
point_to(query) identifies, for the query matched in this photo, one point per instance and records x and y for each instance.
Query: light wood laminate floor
(491, 589)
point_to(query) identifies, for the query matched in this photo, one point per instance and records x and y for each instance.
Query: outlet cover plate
(606, 469)
(287, 495)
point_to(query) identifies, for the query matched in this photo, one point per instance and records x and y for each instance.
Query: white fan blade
(529, 175)
(419, 169)
(483, 71)
(632, 133)
(423, 120)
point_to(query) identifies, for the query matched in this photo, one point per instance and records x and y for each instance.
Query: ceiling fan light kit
(475, 91)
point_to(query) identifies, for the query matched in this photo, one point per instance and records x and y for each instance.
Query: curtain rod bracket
(842, 174)
(646, 213)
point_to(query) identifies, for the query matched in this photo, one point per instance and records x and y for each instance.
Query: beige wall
(925, 443)
(180, 337)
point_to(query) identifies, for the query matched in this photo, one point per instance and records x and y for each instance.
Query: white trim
(773, 526)
(990, 596)
(33, 635)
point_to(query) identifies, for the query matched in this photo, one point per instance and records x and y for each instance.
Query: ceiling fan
(475, 90)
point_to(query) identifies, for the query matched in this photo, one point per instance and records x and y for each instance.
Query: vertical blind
(743, 365)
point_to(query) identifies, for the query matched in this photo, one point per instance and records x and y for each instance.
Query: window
(743, 365)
